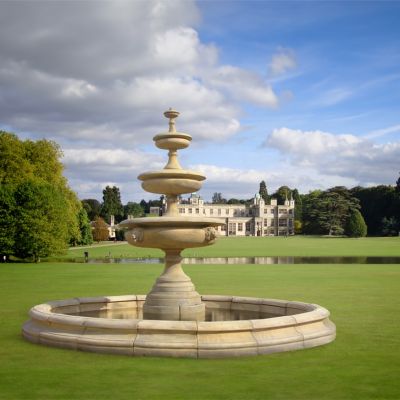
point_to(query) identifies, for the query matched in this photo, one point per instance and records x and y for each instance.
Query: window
(248, 226)
(211, 211)
(231, 229)
(283, 222)
(204, 210)
(265, 210)
(240, 227)
(197, 211)
(272, 211)
(223, 228)
(181, 210)
(227, 211)
(291, 211)
(219, 211)
(265, 223)
(272, 222)
(190, 210)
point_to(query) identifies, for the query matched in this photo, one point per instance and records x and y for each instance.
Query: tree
(40, 227)
(298, 205)
(36, 164)
(134, 209)
(356, 226)
(327, 212)
(263, 191)
(7, 221)
(297, 227)
(85, 228)
(282, 194)
(112, 204)
(235, 201)
(310, 223)
(92, 207)
(218, 199)
(100, 230)
(398, 185)
(378, 202)
(390, 226)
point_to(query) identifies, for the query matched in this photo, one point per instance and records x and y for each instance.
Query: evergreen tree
(390, 226)
(263, 191)
(85, 228)
(377, 203)
(92, 207)
(327, 212)
(356, 226)
(112, 204)
(218, 199)
(398, 185)
(298, 205)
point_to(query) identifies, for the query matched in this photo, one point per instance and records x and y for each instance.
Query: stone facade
(258, 219)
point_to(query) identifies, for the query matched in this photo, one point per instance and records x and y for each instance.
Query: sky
(298, 93)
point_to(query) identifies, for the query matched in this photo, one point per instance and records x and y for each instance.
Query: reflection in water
(212, 314)
(256, 260)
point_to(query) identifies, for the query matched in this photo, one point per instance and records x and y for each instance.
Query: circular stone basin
(269, 326)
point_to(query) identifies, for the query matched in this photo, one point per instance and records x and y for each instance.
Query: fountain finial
(172, 115)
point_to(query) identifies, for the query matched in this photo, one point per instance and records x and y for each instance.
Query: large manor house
(256, 219)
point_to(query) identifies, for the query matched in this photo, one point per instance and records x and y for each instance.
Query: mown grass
(362, 363)
(261, 246)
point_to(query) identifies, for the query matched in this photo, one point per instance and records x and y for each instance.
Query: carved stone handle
(210, 234)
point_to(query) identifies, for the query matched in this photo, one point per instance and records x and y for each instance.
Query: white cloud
(282, 62)
(383, 132)
(71, 69)
(343, 156)
(244, 85)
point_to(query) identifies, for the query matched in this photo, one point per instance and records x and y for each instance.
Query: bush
(356, 226)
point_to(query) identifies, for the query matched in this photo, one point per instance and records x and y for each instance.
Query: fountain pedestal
(173, 296)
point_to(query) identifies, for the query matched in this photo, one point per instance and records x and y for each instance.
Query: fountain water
(173, 319)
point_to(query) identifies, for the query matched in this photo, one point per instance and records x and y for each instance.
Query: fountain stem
(173, 296)
(172, 206)
(173, 162)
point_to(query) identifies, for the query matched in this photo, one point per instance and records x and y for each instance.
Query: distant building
(256, 219)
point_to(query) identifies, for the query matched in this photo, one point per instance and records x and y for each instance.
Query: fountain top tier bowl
(173, 179)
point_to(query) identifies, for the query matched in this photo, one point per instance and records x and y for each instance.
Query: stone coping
(296, 325)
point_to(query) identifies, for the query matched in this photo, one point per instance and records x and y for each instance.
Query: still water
(255, 260)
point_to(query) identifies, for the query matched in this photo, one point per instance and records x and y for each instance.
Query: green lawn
(362, 363)
(262, 246)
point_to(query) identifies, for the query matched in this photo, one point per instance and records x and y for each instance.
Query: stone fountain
(173, 296)
(173, 319)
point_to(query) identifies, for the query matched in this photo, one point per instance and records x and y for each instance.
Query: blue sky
(304, 93)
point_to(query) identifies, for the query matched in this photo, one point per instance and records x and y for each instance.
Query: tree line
(41, 216)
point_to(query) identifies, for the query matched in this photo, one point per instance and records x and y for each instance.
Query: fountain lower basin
(273, 326)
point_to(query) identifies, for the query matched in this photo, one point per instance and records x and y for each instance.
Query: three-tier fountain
(173, 319)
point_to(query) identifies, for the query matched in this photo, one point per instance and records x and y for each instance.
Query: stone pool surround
(282, 326)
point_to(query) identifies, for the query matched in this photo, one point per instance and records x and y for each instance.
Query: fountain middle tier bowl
(171, 181)
(171, 232)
